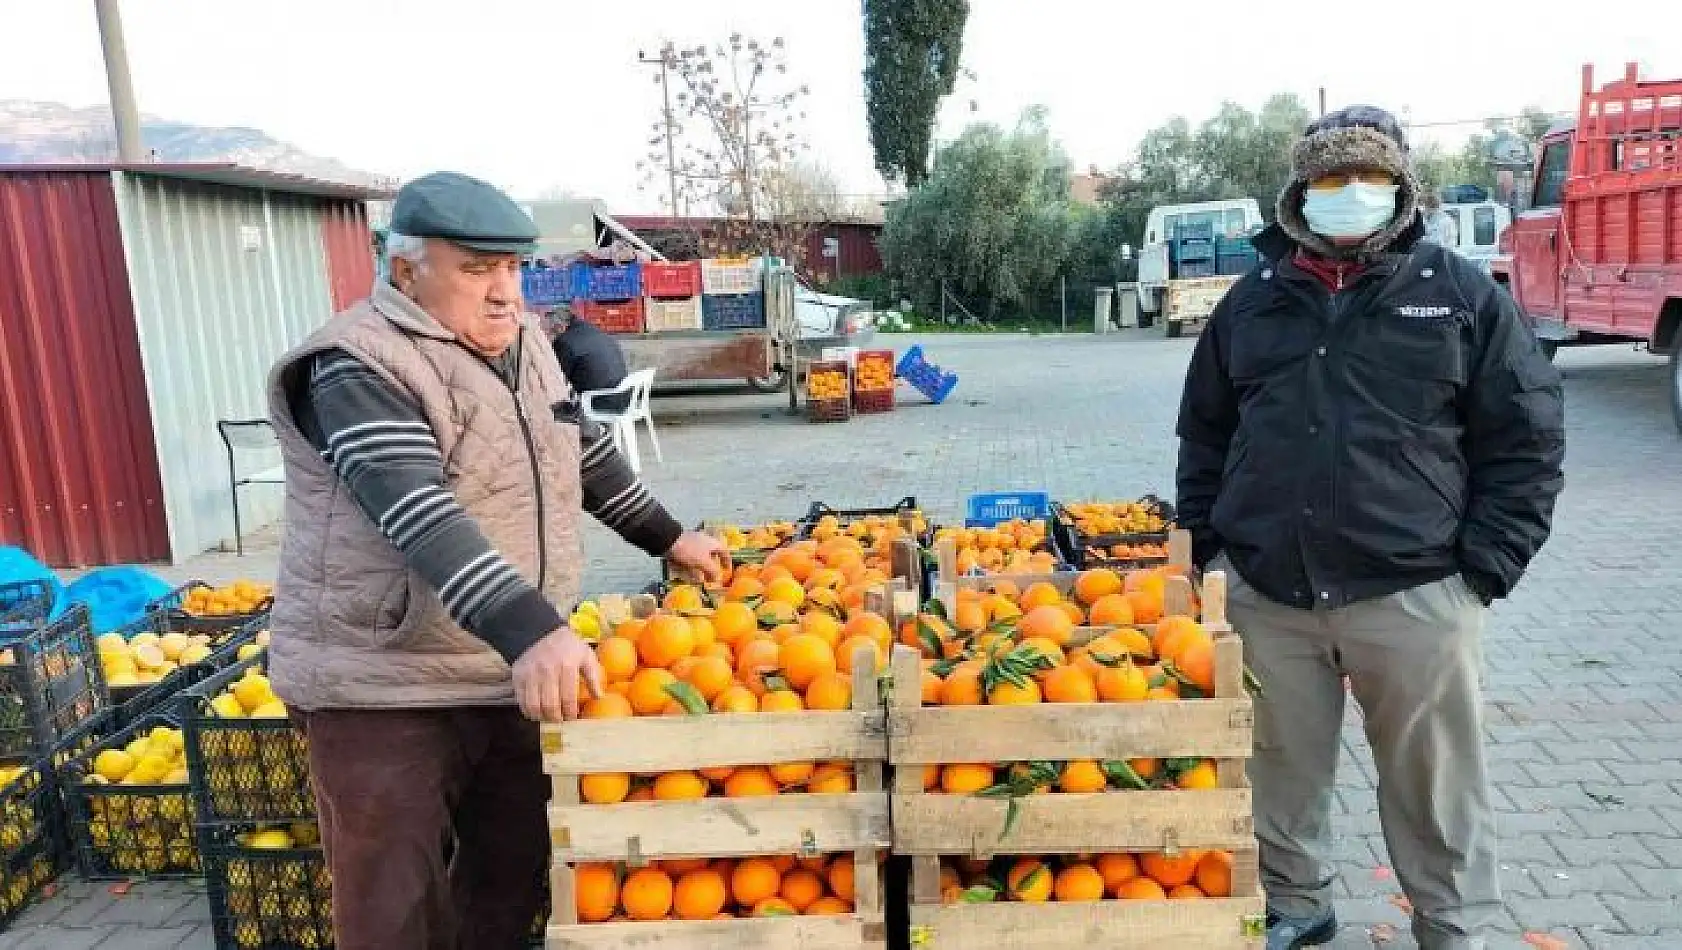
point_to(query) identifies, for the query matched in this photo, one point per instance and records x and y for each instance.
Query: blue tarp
(115, 596)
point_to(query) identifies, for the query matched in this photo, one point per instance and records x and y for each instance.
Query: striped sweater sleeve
(378, 442)
(615, 496)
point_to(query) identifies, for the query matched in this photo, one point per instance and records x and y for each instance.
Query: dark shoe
(1290, 933)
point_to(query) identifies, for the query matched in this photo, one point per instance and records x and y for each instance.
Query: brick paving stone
(1584, 681)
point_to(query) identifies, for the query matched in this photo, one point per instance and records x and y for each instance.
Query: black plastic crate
(24, 872)
(846, 516)
(50, 682)
(25, 606)
(132, 702)
(733, 311)
(129, 829)
(216, 626)
(266, 898)
(1073, 546)
(244, 769)
(30, 855)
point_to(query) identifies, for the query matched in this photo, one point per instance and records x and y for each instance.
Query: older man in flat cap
(436, 468)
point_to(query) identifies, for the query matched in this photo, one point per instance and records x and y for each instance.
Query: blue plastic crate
(606, 282)
(926, 377)
(993, 508)
(547, 286)
(1234, 264)
(1192, 269)
(732, 311)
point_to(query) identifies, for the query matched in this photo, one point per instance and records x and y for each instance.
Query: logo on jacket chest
(1434, 315)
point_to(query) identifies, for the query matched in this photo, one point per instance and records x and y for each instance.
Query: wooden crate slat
(674, 743)
(1214, 924)
(1207, 728)
(1060, 823)
(761, 933)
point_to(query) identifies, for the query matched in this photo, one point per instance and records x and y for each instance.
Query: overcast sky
(542, 94)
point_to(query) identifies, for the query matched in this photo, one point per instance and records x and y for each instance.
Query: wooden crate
(928, 825)
(796, 824)
(947, 576)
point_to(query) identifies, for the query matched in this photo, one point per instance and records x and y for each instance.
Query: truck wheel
(773, 383)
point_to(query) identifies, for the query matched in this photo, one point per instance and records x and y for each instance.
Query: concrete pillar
(1101, 310)
(1129, 304)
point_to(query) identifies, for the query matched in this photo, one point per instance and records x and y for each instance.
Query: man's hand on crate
(546, 676)
(700, 554)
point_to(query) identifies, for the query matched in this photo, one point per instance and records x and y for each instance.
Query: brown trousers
(434, 826)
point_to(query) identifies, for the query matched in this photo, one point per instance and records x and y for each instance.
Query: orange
(1079, 882)
(869, 624)
(1117, 869)
(1133, 642)
(717, 773)
(749, 782)
(846, 654)
(630, 629)
(818, 863)
(734, 621)
(1003, 608)
(618, 657)
(683, 597)
(647, 894)
(753, 880)
(970, 617)
(1186, 892)
(962, 687)
(831, 780)
(801, 887)
(1029, 881)
(595, 892)
(1147, 605)
(792, 773)
(774, 613)
(1076, 615)
(1006, 693)
(1200, 776)
(699, 895)
(1122, 684)
(744, 587)
(1046, 648)
(679, 786)
(1092, 586)
(1145, 768)
(803, 658)
(823, 626)
(1141, 889)
(931, 776)
(754, 658)
(784, 863)
(774, 907)
(1171, 632)
(781, 700)
(828, 907)
(1112, 610)
(648, 691)
(681, 668)
(1196, 660)
(607, 706)
(1051, 623)
(1070, 684)
(1214, 874)
(678, 867)
(710, 675)
(667, 639)
(1166, 693)
(1170, 871)
(736, 699)
(1040, 594)
(605, 788)
(785, 590)
(1082, 775)
(962, 778)
(830, 691)
(795, 560)
(642, 793)
(841, 878)
(705, 633)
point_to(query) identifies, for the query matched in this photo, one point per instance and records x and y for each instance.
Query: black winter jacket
(1340, 446)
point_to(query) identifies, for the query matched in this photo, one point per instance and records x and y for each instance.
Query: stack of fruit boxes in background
(672, 292)
(732, 298)
(828, 391)
(873, 381)
(51, 700)
(257, 834)
(608, 295)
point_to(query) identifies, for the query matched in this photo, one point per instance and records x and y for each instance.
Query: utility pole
(123, 109)
(671, 147)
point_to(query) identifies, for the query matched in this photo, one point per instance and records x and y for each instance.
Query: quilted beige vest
(353, 627)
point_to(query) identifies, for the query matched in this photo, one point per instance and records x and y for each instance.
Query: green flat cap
(464, 211)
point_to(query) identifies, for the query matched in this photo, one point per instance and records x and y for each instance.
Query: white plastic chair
(639, 386)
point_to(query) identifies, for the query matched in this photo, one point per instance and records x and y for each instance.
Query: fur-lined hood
(1329, 148)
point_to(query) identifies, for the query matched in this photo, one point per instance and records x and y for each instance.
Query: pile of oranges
(1012, 547)
(763, 537)
(699, 889)
(1124, 517)
(874, 372)
(826, 385)
(1148, 551)
(1188, 875)
(236, 599)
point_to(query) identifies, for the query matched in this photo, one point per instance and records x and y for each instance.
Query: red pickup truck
(1598, 256)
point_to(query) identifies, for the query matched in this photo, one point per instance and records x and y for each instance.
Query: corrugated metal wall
(350, 255)
(78, 476)
(225, 280)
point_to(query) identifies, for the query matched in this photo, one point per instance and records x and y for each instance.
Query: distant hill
(52, 132)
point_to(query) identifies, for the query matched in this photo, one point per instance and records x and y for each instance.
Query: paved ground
(1585, 666)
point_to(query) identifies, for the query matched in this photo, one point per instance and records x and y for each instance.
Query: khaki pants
(434, 826)
(1414, 660)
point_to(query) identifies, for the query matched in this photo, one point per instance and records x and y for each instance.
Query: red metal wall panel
(350, 252)
(79, 478)
(856, 248)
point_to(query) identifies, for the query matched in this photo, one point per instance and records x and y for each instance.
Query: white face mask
(1353, 211)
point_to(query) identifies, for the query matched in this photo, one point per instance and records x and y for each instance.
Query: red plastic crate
(621, 316)
(671, 279)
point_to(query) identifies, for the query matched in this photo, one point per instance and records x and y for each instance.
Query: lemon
(253, 691)
(146, 639)
(195, 653)
(273, 709)
(227, 707)
(112, 643)
(247, 651)
(172, 644)
(139, 748)
(113, 764)
(149, 655)
(587, 626)
(149, 770)
(272, 839)
(163, 737)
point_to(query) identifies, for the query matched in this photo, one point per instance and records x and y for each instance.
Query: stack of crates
(1234, 256)
(608, 295)
(672, 296)
(731, 296)
(1193, 250)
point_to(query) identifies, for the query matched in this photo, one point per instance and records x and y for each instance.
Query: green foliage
(872, 287)
(993, 221)
(912, 50)
(1471, 164)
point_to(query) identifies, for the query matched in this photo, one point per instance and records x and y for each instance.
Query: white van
(1229, 217)
(1479, 225)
